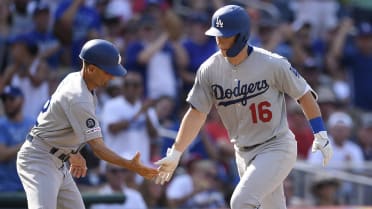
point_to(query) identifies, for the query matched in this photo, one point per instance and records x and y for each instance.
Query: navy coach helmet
(104, 55)
(228, 21)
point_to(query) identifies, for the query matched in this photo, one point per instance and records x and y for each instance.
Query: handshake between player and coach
(169, 163)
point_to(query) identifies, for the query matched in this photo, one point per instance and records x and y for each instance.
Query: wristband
(317, 124)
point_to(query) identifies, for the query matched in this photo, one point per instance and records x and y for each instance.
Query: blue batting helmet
(228, 21)
(104, 55)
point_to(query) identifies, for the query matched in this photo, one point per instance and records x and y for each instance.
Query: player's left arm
(312, 112)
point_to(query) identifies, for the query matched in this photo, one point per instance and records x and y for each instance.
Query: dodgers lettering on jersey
(241, 92)
(249, 97)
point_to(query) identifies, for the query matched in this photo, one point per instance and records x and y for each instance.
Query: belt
(64, 157)
(247, 148)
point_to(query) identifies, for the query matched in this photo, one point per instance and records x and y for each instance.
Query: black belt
(247, 148)
(53, 150)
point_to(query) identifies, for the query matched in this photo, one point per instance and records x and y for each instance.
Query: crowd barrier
(17, 200)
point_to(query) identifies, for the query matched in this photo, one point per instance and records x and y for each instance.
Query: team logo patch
(90, 123)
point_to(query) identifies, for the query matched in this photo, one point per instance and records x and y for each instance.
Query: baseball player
(247, 85)
(66, 123)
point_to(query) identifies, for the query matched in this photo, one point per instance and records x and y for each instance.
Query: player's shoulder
(215, 60)
(269, 57)
(73, 87)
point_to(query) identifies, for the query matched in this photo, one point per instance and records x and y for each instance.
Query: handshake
(164, 173)
(167, 165)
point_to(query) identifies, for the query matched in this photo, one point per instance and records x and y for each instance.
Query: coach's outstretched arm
(104, 153)
(312, 112)
(189, 129)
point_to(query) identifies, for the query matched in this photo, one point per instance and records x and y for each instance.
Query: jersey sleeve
(289, 81)
(200, 96)
(84, 121)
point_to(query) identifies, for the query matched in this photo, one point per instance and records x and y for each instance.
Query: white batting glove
(321, 142)
(167, 166)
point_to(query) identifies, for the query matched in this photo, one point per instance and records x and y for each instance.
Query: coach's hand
(146, 172)
(167, 166)
(78, 166)
(321, 142)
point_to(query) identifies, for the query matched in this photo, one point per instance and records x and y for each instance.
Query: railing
(359, 181)
(18, 199)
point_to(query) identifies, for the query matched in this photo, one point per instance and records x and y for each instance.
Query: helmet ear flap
(240, 43)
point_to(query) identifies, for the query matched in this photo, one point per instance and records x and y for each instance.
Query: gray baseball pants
(262, 171)
(47, 182)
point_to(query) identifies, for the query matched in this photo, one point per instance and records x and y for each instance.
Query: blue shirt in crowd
(86, 19)
(12, 134)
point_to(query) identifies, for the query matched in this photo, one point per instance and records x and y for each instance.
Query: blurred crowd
(162, 44)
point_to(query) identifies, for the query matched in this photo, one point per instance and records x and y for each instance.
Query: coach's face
(100, 78)
(225, 43)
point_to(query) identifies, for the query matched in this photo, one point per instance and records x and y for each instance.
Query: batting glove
(167, 166)
(321, 142)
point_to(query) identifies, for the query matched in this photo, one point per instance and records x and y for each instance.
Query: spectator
(129, 124)
(75, 23)
(324, 190)
(356, 56)
(364, 134)
(153, 194)
(322, 15)
(21, 17)
(291, 199)
(198, 47)
(115, 184)
(4, 32)
(29, 73)
(14, 127)
(49, 46)
(157, 57)
(198, 188)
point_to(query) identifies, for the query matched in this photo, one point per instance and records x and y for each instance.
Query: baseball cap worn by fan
(40, 8)
(364, 29)
(104, 55)
(340, 119)
(11, 91)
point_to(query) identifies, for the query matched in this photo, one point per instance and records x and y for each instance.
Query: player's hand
(167, 166)
(78, 166)
(321, 142)
(146, 172)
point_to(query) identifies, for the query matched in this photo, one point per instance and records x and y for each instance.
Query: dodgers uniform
(249, 98)
(66, 122)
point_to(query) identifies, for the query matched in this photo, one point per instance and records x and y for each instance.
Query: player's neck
(87, 80)
(239, 58)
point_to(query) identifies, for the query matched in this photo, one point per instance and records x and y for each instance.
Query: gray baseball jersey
(65, 123)
(68, 119)
(249, 97)
(250, 100)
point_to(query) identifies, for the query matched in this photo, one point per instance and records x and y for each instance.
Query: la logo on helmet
(119, 60)
(219, 23)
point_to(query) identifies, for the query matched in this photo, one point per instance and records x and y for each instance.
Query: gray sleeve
(289, 81)
(200, 96)
(84, 121)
